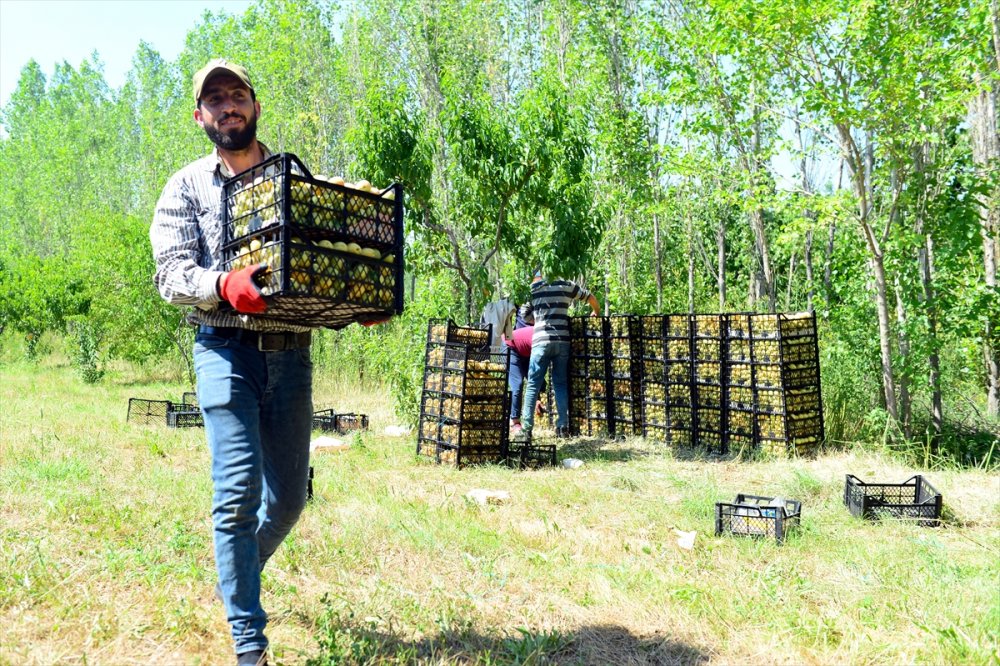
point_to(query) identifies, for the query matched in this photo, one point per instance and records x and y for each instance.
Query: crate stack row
(741, 389)
(708, 386)
(652, 335)
(788, 406)
(716, 381)
(625, 367)
(465, 402)
(589, 371)
(678, 357)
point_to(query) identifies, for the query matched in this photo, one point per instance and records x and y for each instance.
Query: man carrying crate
(254, 376)
(550, 303)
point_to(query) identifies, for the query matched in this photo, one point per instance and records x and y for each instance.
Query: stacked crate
(589, 374)
(739, 382)
(625, 409)
(652, 333)
(787, 401)
(708, 365)
(465, 402)
(334, 253)
(679, 387)
(328, 420)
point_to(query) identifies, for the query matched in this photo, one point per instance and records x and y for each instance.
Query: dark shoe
(563, 433)
(252, 658)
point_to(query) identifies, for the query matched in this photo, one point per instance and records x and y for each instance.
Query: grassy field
(106, 558)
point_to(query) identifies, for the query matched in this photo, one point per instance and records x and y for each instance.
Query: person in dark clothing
(550, 303)
(519, 345)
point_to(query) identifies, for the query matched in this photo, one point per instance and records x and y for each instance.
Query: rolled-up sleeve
(181, 276)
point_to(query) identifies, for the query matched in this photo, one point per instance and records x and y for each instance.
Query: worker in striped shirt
(550, 301)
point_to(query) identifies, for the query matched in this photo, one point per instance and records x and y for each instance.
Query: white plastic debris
(572, 463)
(685, 539)
(324, 444)
(483, 497)
(396, 431)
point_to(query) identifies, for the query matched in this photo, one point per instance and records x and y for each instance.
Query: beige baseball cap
(216, 66)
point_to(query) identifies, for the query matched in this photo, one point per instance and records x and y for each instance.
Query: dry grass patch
(106, 555)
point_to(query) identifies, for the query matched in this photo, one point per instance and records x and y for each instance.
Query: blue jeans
(257, 408)
(517, 376)
(555, 354)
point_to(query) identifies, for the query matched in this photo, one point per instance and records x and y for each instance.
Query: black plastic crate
(626, 345)
(328, 420)
(914, 498)
(756, 516)
(470, 455)
(682, 437)
(191, 418)
(654, 430)
(157, 412)
(740, 422)
(148, 412)
(334, 253)
(190, 399)
(590, 377)
(447, 331)
(710, 440)
(737, 325)
(531, 456)
(653, 333)
(708, 326)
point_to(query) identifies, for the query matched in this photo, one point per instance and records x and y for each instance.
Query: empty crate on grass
(164, 412)
(465, 401)
(589, 375)
(531, 456)
(328, 420)
(913, 498)
(334, 252)
(756, 516)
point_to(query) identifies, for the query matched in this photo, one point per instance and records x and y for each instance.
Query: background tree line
(708, 155)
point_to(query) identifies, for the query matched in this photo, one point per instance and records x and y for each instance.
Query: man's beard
(237, 139)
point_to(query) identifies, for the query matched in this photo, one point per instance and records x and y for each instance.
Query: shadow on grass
(610, 450)
(347, 640)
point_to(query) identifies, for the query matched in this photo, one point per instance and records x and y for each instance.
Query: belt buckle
(263, 337)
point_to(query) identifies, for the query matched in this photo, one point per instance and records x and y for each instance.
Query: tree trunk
(933, 358)
(659, 263)
(791, 280)
(807, 259)
(925, 264)
(828, 265)
(860, 167)
(720, 276)
(810, 215)
(884, 334)
(905, 404)
(690, 236)
(986, 156)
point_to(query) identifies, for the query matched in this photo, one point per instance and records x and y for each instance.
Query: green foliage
(86, 337)
(625, 146)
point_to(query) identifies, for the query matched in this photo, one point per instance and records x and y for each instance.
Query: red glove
(374, 322)
(238, 287)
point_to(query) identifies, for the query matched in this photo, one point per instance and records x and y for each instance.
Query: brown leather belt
(266, 341)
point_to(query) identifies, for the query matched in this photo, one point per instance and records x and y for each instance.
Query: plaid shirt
(186, 235)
